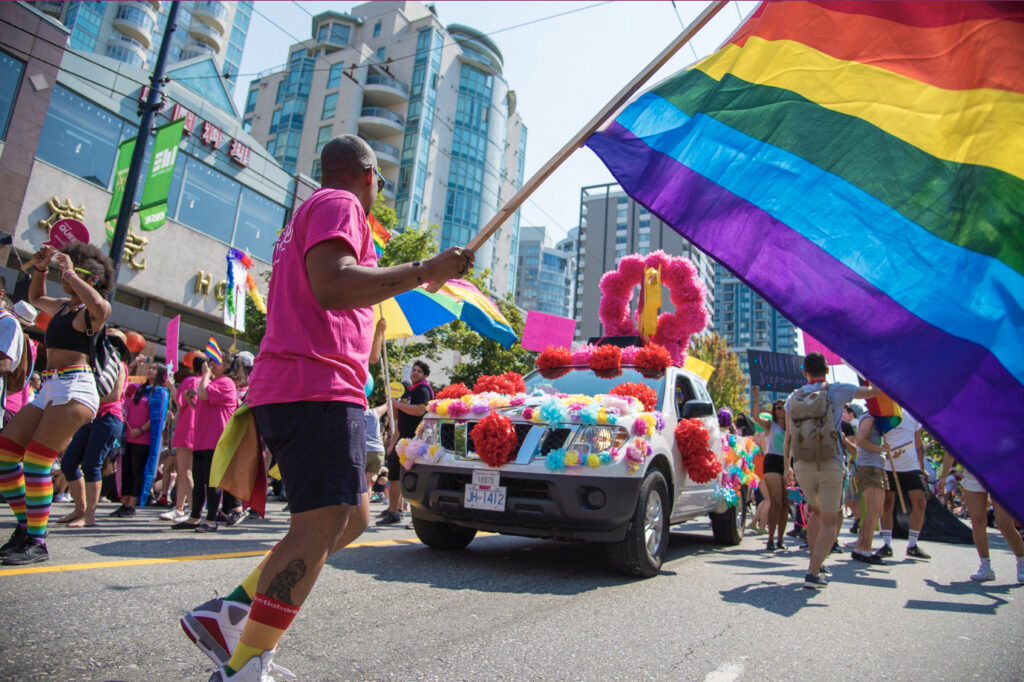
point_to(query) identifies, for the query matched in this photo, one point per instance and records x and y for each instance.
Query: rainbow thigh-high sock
(12, 480)
(38, 487)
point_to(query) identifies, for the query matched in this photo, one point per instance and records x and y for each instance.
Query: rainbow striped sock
(244, 593)
(268, 620)
(12, 480)
(38, 487)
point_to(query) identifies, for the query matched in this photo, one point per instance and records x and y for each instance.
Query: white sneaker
(215, 627)
(173, 515)
(257, 669)
(985, 574)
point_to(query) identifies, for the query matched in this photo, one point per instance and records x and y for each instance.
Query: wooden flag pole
(579, 138)
(387, 375)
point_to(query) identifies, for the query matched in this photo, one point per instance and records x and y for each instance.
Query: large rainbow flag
(861, 165)
(381, 236)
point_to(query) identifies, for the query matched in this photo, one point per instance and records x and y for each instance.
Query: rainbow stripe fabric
(381, 236)
(861, 165)
(479, 312)
(212, 351)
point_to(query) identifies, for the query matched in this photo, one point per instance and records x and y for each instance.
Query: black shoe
(383, 513)
(770, 547)
(873, 559)
(18, 538)
(119, 511)
(253, 514)
(222, 517)
(206, 527)
(815, 582)
(183, 525)
(235, 518)
(855, 528)
(781, 545)
(916, 552)
(793, 533)
(884, 551)
(32, 551)
(391, 519)
(836, 549)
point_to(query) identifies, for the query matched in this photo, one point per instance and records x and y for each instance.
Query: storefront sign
(180, 112)
(239, 153)
(212, 135)
(60, 211)
(153, 208)
(133, 246)
(209, 134)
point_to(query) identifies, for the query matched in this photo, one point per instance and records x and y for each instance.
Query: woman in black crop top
(68, 398)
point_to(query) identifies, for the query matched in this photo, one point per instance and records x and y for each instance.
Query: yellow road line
(169, 560)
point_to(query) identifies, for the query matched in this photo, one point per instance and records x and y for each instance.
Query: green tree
(727, 383)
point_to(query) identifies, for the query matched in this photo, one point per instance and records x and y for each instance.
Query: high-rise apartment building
(747, 321)
(131, 32)
(545, 274)
(431, 101)
(612, 225)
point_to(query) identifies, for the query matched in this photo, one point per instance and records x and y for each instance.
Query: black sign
(776, 372)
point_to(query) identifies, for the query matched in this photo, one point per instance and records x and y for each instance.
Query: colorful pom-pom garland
(495, 440)
(699, 459)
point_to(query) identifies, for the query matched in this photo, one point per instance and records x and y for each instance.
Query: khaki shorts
(871, 477)
(374, 461)
(822, 488)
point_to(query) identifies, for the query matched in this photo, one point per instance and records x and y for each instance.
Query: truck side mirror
(693, 409)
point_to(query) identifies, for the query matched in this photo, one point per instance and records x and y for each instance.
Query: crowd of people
(862, 465)
(306, 393)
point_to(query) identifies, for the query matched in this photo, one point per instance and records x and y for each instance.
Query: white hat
(25, 312)
(246, 358)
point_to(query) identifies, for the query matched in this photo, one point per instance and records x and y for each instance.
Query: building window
(330, 106)
(380, 53)
(209, 201)
(10, 80)
(315, 173)
(376, 30)
(334, 75)
(79, 137)
(250, 104)
(280, 91)
(322, 136)
(336, 34)
(259, 220)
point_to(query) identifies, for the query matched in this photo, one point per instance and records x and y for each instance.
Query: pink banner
(542, 330)
(172, 344)
(812, 345)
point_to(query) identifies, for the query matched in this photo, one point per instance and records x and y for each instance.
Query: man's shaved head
(344, 159)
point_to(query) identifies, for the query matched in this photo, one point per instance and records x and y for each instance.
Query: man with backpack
(813, 453)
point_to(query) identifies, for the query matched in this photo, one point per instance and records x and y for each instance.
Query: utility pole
(149, 109)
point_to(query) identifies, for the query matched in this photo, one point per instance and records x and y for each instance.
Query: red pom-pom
(554, 357)
(699, 459)
(454, 391)
(606, 357)
(508, 383)
(653, 358)
(645, 394)
(495, 440)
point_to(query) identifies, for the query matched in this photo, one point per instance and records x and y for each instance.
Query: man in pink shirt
(306, 391)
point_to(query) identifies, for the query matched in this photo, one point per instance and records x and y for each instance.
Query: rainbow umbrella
(479, 312)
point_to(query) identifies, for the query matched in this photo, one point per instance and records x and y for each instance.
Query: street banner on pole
(172, 344)
(124, 161)
(153, 208)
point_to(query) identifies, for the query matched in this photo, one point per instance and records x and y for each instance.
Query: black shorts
(775, 464)
(394, 465)
(320, 448)
(909, 480)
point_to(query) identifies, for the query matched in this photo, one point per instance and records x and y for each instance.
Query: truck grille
(456, 437)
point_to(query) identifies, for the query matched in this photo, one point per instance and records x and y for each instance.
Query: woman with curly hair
(68, 398)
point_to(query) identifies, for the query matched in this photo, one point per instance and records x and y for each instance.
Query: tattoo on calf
(280, 587)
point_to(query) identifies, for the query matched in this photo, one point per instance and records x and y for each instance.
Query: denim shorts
(78, 385)
(320, 448)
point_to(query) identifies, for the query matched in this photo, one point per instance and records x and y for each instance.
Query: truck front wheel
(442, 535)
(643, 550)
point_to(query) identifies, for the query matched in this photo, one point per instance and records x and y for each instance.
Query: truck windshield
(583, 380)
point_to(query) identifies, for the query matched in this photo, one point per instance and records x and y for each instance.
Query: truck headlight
(598, 439)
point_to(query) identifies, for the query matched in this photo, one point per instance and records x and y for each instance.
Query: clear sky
(564, 69)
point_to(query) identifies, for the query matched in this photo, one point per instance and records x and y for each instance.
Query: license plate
(489, 499)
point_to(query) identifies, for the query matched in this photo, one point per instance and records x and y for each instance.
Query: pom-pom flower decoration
(606, 361)
(699, 459)
(645, 394)
(554, 357)
(454, 391)
(495, 440)
(653, 358)
(509, 383)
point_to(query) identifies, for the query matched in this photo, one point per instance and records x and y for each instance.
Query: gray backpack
(814, 438)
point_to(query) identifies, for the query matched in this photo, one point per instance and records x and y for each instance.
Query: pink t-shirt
(16, 401)
(213, 413)
(309, 353)
(116, 406)
(185, 424)
(135, 415)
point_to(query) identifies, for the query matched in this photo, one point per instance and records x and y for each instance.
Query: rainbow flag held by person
(479, 312)
(212, 351)
(861, 166)
(888, 415)
(381, 236)
(238, 466)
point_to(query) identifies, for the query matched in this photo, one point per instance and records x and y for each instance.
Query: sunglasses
(381, 180)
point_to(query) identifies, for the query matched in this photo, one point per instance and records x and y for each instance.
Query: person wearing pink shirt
(307, 396)
(145, 410)
(218, 399)
(183, 440)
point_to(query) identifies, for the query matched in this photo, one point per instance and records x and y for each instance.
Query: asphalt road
(106, 607)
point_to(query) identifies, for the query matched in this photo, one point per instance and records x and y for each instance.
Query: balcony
(207, 35)
(135, 22)
(384, 90)
(195, 49)
(213, 13)
(387, 154)
(121, 41)
(375, 122)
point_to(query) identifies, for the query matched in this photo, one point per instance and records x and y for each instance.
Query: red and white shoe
(215, 627)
